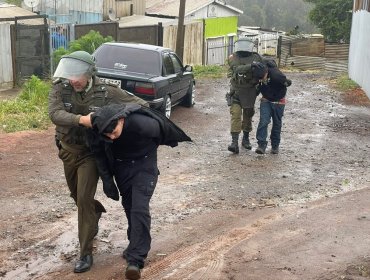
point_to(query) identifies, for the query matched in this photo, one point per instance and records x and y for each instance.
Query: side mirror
(188, 68)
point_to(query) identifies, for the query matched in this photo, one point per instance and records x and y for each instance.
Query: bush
(89, 43)
(29, 110)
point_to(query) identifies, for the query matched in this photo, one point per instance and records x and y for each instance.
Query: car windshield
(128, 59)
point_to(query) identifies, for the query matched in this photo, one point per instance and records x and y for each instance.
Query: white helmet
(244, 45)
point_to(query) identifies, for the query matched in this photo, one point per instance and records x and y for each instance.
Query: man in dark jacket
(273, 87)
(124, 140)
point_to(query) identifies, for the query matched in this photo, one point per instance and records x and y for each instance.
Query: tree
(333, 17)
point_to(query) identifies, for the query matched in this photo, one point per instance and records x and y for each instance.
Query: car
(153, 73)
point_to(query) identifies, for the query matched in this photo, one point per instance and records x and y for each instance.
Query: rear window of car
(128, 59)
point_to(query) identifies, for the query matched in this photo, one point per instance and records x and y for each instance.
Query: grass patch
(209, 71)
(344, 83)
(29, 110)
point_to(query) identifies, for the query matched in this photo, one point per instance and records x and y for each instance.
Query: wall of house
(73, 11)
(215, 27)
(211, 11)
(359, 54)
(6, 63)
(117, 9)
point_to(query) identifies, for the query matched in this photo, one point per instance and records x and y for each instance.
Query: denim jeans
(268, 111)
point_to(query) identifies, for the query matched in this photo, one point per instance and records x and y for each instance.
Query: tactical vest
(73, 103)
(242, 73)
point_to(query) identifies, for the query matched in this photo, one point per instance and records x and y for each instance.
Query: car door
(183, 81)
(172, 77)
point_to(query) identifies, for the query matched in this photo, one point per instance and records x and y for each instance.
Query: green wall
(215, 27)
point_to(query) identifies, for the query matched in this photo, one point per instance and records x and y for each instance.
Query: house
(23, 43)
(87, 11)
(359, 53)
(220, 23)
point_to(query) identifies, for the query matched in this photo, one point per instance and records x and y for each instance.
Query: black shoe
(83, 264)
(132, 271)
(260, 150)
(124, 256)
(275, 150)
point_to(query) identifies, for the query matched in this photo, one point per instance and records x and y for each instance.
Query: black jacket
(170, 134)
(275, 87)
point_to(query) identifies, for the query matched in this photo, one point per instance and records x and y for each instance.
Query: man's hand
(86, 120)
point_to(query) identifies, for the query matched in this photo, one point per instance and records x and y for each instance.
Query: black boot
(234, 146)
(261, 149)
(245, 141)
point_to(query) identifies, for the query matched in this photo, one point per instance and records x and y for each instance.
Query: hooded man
(125, 139)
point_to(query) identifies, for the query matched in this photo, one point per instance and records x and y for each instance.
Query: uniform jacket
(242, 84)
(140, 123)
(67, 106)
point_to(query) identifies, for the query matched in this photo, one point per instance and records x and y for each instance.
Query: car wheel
(166, 106)
(189, 98)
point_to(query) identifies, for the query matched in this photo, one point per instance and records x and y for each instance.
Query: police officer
(76, 93)
(242, 92)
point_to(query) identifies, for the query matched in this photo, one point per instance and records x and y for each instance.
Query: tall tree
(279, 14)
(333, 17)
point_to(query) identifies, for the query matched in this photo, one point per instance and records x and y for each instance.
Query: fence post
(280, 41)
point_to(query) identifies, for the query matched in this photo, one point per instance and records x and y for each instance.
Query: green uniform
(65, 109)
(242, 90)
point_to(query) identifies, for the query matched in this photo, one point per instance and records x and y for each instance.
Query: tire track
(204, 260)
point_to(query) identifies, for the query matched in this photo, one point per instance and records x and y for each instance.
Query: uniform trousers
(82, 177)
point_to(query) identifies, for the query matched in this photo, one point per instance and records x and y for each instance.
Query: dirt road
(302, 214)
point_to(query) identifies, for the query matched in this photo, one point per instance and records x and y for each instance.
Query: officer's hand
(86, 120)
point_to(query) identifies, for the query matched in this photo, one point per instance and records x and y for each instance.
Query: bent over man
(125, 140)
(76, 93)
(242, 92)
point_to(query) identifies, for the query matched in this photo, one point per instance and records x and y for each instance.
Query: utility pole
(180, 31)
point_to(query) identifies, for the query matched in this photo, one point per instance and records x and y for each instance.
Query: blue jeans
(268, 111)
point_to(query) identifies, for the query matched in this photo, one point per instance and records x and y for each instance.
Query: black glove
(287, 83)
(110, 189)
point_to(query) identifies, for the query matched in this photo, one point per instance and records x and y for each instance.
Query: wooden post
(180, 31)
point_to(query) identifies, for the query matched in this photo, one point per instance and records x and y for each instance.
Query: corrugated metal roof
(171, 7)
(140, 20)
(12, 11)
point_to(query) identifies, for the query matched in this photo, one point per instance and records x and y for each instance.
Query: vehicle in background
(153, 73)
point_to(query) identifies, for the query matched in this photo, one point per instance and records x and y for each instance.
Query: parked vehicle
(154, 73)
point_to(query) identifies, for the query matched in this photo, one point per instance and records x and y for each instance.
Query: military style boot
(234, 146)
(245, 141)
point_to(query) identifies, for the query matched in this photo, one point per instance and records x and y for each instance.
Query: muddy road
(302, 214)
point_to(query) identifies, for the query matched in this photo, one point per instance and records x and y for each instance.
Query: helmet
(76, 64)
(244, 45)
(258, 70)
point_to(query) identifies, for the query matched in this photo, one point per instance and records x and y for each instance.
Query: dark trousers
(136, 181)
(268, 111)
(82, 177)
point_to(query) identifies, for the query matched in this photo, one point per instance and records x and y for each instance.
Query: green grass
(209, 71)
(29, 110)
(344, 83)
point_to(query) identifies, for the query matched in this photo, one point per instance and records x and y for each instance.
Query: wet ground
(302, 214)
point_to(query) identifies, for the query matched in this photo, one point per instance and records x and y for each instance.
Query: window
(176, 63)
(167, 64)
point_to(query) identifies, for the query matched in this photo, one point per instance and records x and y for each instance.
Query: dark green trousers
(82, 178)
(241, 118)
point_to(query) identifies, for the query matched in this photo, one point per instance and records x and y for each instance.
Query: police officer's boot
(245, 141)
(234, 146)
